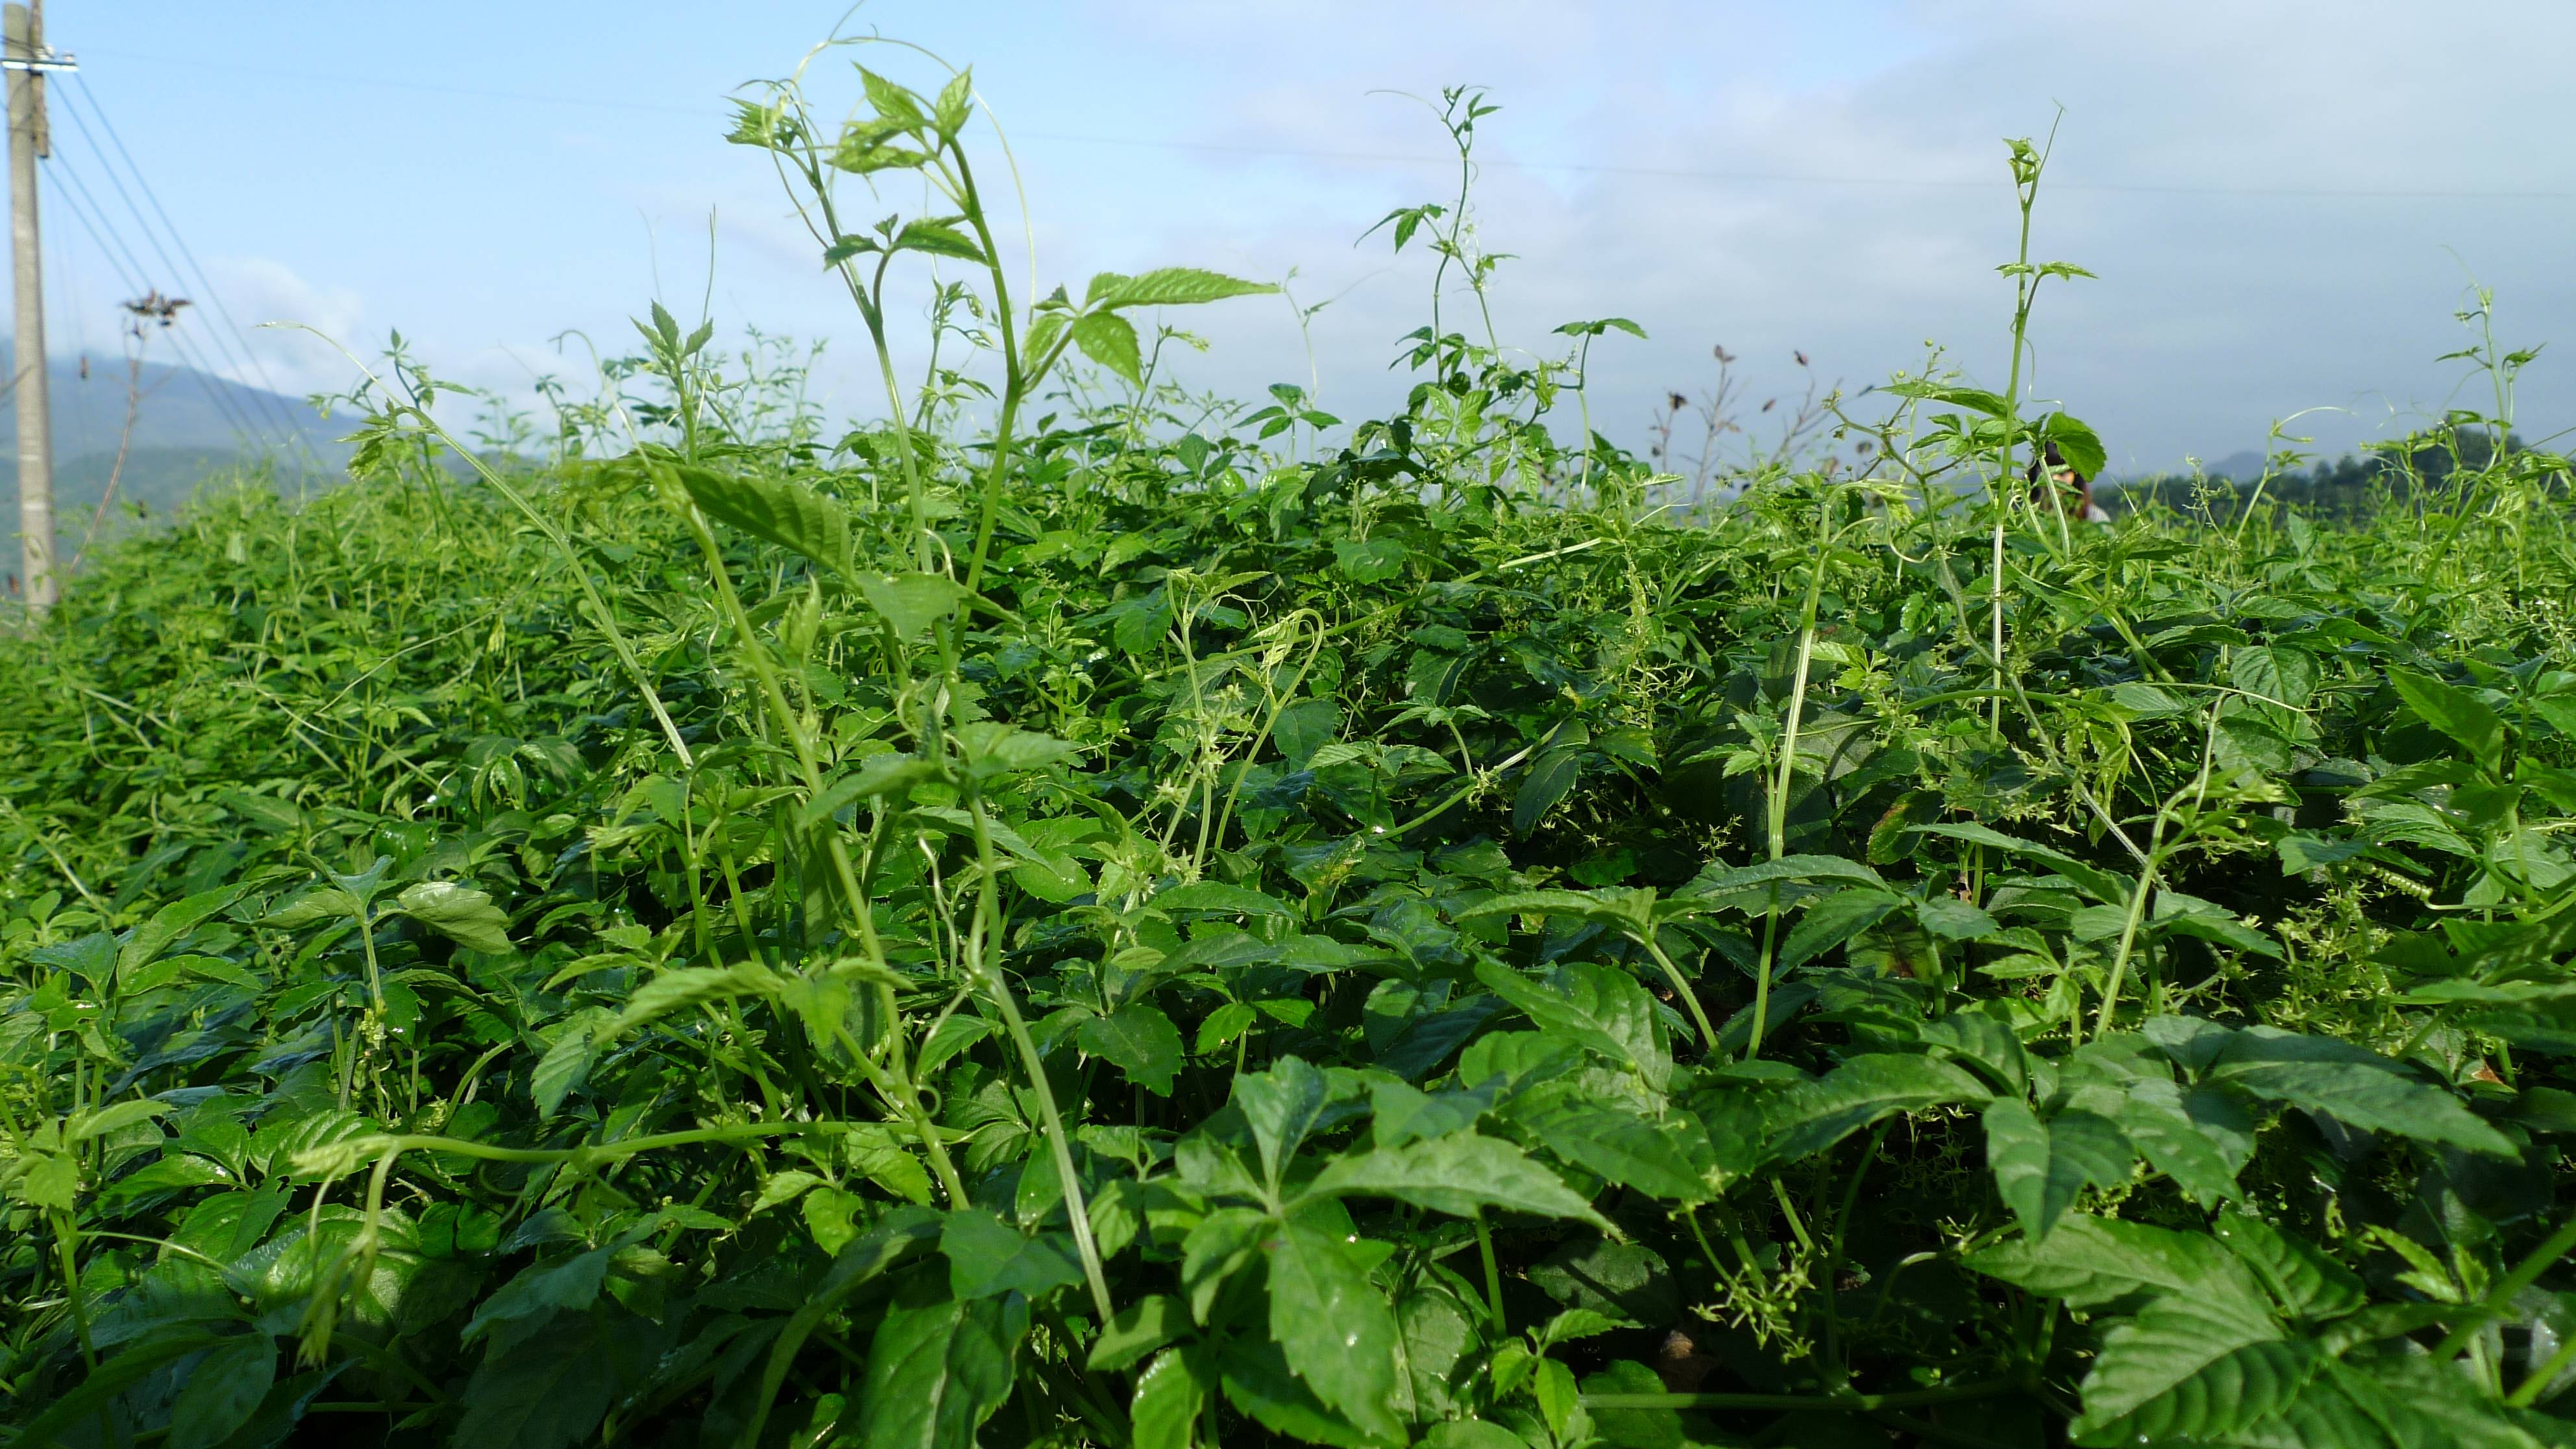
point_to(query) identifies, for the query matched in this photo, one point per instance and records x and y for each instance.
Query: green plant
(1145, 924)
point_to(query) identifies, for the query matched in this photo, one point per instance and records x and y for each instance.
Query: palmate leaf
(2303, 1278)
(1812, 1116)
(2201, 1138)
(2245, 1384)
(1669, 1158)
(1600, 1007)
(2039, 1167)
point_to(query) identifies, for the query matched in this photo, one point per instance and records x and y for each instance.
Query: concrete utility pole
(23, 55)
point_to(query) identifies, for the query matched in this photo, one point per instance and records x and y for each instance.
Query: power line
(224, 345)
(249, 355)
(1667, 173)
(84, 209)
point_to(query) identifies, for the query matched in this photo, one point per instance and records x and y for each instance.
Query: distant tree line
(2349, 489)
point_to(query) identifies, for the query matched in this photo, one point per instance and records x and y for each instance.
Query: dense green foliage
(1132, 926)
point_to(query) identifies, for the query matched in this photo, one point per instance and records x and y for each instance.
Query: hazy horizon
(2284, 207)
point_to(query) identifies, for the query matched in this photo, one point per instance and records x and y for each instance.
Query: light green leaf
(2275, 672)
(1169, 287)
(460, 913)
(567, 1063)
(939, 238)
(1110, 340)
(911, 602)
(1218, 898)
(2455, 712)
(687, 986)
(775, 510)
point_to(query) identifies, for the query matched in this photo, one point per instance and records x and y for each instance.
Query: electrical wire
(75, 194)
(236, 356)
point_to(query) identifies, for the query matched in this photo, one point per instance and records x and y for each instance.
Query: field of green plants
(1077, 915)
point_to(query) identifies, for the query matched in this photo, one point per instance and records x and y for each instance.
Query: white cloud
(258, 292)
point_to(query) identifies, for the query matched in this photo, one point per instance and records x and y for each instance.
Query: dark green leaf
(938, 1366)
(2039, 1167)
(1333, 1326)
(1455, 1174)
(1140, 1041)
(2455, 712)
(223, 1390)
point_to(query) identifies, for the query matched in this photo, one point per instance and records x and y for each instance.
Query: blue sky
(2284, 202)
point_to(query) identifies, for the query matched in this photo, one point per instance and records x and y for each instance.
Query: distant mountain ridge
(186, 428)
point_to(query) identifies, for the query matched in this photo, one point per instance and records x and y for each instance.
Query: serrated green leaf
(1140, 1041)
(2306, 1280)
(2190, 1365)
(1110, 340)
(460, 913)
(2351, 1084)
(911, 602)
(1455, 1174)
(1333, 1326)
(2463, 716)
(2040, 1167)
(937, 1366)
(2092, 1262)
(1169, 287)
(1812, 1116)
(787, 514)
